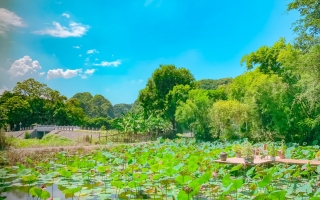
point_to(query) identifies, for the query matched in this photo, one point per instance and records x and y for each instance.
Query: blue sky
(111, 48)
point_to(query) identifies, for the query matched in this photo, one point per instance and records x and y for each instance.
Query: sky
(111, 47)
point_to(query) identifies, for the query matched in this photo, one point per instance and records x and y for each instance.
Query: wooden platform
(298, 162)
(236, 161)
(257, 161)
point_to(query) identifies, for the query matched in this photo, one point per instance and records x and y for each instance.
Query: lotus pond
(179, 169)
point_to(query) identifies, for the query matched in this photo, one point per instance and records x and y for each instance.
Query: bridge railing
(55, 127)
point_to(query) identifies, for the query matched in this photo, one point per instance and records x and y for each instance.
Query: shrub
(103, 128)
(27, 135)
(5, 142)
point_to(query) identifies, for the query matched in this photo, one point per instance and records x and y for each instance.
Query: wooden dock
(257, 161)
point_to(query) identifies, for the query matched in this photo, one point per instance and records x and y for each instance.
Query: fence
(127, 137)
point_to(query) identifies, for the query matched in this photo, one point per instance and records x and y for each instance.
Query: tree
(266, 58)
(227, 118)
(212, 84)
(308, 26)
(75, 114)
(194, 113)
(153, 97)
(17, 109)
(95, 106)
(179, 94)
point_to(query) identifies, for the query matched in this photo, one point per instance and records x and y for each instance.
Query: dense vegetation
(174, 169)
(277, 98)
(211, 84)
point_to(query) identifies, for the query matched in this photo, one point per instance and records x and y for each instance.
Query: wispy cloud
(9, 19)
(65, 15)
(74, 30)
(76, 47)
(59, 73)
(90, 71)
(92, 51)
(108, 64)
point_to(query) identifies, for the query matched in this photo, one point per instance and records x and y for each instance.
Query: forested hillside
(121, 108)
(95, 106)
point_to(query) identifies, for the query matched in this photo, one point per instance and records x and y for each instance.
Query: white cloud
(24, 66)
(74, 30)
(92, 51)
(9, 19)
(89, 71)
(59, 73)
(107, 64)
(65, 15)
(41, 74)
(4, 88)
(76, 47)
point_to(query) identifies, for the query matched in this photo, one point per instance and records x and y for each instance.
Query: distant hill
(118, 109)
(95, 106)
(212, 84)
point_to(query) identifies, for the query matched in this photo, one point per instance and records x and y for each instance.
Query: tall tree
(153, 97)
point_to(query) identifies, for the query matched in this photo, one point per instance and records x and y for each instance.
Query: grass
(48, 140)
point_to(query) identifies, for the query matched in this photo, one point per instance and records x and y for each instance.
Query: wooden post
(99, 137)
(106, 137)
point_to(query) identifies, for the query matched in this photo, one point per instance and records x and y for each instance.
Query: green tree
(194, 113)
(17, 109)
(153, 98)
(308, 26)
(212, 84)
(228, 117)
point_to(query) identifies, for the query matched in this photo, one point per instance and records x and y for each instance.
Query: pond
(179, 169)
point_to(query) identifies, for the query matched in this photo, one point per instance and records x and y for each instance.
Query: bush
(27, 135)
(103, 128)
(5, 142)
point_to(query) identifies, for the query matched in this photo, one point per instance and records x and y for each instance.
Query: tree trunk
(173, 121)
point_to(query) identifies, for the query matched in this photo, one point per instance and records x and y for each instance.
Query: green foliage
(95, 106)
(121, 108)
(103, 128)
(178, 169)
(308, 26)
(228, 117)
(27, 135)
(153, 97)
(49, 140)
(212, 84)
(5, 142)
(193, 113)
